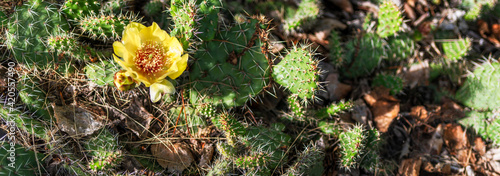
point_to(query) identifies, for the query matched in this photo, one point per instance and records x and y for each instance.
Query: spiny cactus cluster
(104, 150)
(23, 162)
(456, 50)
(233, 68)
(336, 51)
(309, 162)
(33, 97)
(25, 121)
(334, 109)
(389, 19)
(105, 27)
(400, 48)
(363, 55)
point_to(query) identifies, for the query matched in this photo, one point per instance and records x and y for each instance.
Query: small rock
(175, 157)
(76, 121)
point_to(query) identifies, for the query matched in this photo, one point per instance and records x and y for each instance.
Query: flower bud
(123, 81)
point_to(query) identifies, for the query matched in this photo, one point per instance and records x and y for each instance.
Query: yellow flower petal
(158, 89)
(181, 66)
(135, 25)
(174, 47)
(131, 40)
(121, 51)
(120, 62)
(153, 33)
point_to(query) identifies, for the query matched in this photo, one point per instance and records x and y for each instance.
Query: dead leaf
(139, 119)
(479, 146)
(450, 110)
(384, 109)
(417, 74)
(336, 90)
(206, 155)
(410, 166)
(75, 120)
(456, 142)
(361, 113)
(175, 157)
(420, 113)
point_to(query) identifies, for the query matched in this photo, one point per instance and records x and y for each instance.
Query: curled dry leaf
(410, 166)
(175, 157)
(76, 121)
(336, 90)
(456, 141)
(206, 155)
(420, 113)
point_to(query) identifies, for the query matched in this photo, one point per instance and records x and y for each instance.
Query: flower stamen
(151, 58)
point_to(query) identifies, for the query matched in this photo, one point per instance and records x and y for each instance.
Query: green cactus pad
(76, 9)
(456, 50)
(24, 162)
(28, 28)
(394, 83)
(24, 122)
(480, 90)
(101, 73)
(486, 124)
(298, 72)
(68, 45)
(334, 109)
(305, 16)
(33, 97)
(389, 20)
(336, 50)
(351, 146)
(309, 162)
(400, 48)
(104, 150)
(231, 69)
(362, 56)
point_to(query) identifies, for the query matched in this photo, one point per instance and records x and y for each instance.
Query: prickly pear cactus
(486, 124)
(400, 48)
(104, 150)
(371, 161)
(336, 53)
(334, 109)
(305, 16)
(389, 20)
(25, 122)
(76, 9)
(105, 27)
(363, 55)
(394, 83)
(296, 107)
(351, 147)
(480, 90)
(33, 97)
(23, 162)
(68, 45)
(309, 162)
(101, 73)
(298, 72)
(28, 27)
(231, 69)
(456, 50)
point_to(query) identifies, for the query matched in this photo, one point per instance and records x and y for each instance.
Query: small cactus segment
(34, 97)
(233, 69)
(389, 20)
(330, 128)
(351, 145)
(76, 9)
(102, 73)
(400, 48)
(486, 124)
(220, 167)
(480, 90)
(296, 107)
(230, 126)
(28, 28)
(371, 161)
(309, 162)
(298, 72)
(115, 6)
(334, 109)
(208, 12)
(104, 150)
(394, 83)
(68, 45)
(105, 27)
(336, 53)
(305, 16)
(362, 56)
(456, 50)
(23, 162)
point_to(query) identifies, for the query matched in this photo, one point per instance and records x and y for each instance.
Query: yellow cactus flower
(149, 55)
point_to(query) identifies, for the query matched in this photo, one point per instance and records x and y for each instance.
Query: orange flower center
(151, 58)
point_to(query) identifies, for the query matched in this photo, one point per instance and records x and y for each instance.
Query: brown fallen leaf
(420, 113)
(492, 34)
(384, 109)
(175, 157)
(456, 141)
(76, 121)
(336, 90)
(206, 155)
(410, 167)
(479, 146)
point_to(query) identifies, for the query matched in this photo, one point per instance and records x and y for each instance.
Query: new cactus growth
(28, 27)
(76, 9)
(231, 69)
(389, 20)
(105, 27)
(102, 73)
(296, 107)
(363, 55)
(334, 109)
(298, 72)
(104, 151)
(17, 160)
(394, 83)
(305, 16)
(480, 90)
(456, 50)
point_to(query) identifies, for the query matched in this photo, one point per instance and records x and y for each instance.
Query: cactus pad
(389, 20)
(480, 90)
